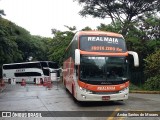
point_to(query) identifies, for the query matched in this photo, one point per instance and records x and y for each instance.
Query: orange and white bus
(95, 66)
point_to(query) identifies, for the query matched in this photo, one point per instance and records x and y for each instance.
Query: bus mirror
(77, 57)
(135, 57)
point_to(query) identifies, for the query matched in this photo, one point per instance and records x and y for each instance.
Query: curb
(145, 92)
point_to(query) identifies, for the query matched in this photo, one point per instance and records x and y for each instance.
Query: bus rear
(54, 70)
(98, 70)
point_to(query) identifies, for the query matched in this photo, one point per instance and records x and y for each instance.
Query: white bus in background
(30, 71)
(54, 70)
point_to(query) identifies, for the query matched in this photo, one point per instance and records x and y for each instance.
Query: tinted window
(22, 74)
(44, 64)
(46, 72)
(24, 65)
(53, 65)
(103, 68)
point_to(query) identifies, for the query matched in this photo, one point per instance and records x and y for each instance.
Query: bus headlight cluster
(85, 90)
(121, 91)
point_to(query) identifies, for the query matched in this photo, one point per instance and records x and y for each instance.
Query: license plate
(105, 97)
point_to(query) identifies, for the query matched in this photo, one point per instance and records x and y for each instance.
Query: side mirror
(135, 57)
(77, 57)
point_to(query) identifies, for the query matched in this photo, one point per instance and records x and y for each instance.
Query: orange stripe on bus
(103, 53)
(103, 88)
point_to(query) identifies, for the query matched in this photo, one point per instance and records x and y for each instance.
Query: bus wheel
(64, 83)
(75, 100)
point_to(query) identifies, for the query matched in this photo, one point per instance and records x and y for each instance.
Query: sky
(40, 16)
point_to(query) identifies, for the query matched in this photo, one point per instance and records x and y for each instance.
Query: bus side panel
(65, 73)
(69, 75)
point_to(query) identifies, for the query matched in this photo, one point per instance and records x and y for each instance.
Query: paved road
(38, 98)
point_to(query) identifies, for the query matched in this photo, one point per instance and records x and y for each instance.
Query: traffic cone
(49, 84)
(2, 83)
(23, 83)
(45, 82)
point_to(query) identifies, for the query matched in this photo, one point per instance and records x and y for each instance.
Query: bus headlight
(121, 91)
(85, 90)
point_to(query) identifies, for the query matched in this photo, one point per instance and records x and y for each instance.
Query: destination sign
(102, 44)
(110, 40)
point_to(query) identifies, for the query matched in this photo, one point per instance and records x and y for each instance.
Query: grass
(134, 87)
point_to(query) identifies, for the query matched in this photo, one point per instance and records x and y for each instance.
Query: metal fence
(137, 78)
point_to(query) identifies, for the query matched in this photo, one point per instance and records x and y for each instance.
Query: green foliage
(86, 28)
(152, 71)
(71, 28)
(17, 45)
(150, 26)
(9, 51)
(134, 87)
(152, 66)
(125, 11)
(2, 13)
(59, 44)
(153, 83)
(39, 48)
(153, 45)
(111, 28)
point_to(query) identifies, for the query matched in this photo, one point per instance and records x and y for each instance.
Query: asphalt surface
(58, 100)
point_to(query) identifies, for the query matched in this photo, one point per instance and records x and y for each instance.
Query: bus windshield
(103, 69)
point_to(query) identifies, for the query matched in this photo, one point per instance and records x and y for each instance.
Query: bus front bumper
(121, 95)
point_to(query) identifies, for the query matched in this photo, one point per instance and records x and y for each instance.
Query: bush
(152, 66)
(153, 83)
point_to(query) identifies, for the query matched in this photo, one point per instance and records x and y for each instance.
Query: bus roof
(29, 62)
(99, 33)
(22, 63)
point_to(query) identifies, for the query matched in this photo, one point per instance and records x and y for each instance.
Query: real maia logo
(104, 39)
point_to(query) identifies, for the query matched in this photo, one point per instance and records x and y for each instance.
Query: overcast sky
(40, 16)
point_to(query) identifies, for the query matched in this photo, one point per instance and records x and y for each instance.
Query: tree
(86, 28)
(9, 51)
(152, 66)
(40, 46)
(17, 45)
(150, 26)
(59, 43)
(152, 71)
(110, 27)
(125, 11)
(2, 13)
